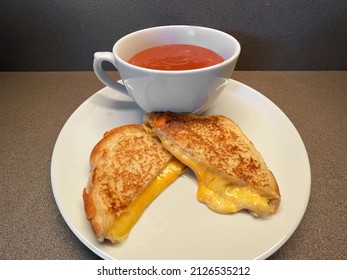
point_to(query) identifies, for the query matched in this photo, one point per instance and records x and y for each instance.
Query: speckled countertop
(35, 105)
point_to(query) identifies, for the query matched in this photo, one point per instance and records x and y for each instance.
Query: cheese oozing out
(123, 224)
(222, 194)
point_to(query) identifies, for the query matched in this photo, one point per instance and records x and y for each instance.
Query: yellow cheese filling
(123, 224)
(222, 194)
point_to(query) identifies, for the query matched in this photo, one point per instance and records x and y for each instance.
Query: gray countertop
(35, 105)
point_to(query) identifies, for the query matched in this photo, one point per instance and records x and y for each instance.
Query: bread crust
(219, 143)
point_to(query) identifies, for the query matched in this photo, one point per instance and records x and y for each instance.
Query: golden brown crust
(219, 143)
(90, 211)
(122, 164)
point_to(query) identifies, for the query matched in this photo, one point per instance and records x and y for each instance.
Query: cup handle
(100, 57)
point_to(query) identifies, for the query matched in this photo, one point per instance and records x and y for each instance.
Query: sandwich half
(129, 168)
(232, 175)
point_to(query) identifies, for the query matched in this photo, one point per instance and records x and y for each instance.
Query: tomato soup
(176, 57)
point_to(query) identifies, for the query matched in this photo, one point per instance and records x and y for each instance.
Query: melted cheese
(222, 194)
(123, 224)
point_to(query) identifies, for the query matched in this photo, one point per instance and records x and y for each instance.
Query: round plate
(176, 225)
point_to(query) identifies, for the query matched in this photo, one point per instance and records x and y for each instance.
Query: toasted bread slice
(231, 173)
(129, 169)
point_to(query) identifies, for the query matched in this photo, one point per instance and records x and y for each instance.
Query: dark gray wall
(38, 35)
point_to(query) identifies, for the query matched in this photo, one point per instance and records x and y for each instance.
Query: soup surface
(176, 57)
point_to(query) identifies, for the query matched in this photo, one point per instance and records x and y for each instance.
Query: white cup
(191, 91)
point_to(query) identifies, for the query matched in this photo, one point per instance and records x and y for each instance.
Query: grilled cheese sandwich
(231, 173)
(129, 169)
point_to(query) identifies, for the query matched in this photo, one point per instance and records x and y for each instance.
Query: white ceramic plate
(176, 225)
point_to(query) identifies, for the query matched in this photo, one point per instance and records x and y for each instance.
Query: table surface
(34, 106)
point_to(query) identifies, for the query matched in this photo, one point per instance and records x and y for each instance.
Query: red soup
(176, 57)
